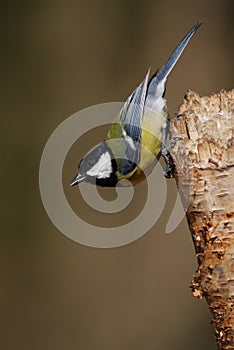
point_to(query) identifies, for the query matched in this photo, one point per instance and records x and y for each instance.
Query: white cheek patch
(103, 168)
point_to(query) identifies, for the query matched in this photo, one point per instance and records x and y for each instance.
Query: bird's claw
(170, 165)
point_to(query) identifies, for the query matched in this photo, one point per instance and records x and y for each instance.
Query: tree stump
(203, 154)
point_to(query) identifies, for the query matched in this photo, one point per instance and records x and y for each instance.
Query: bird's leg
(170, 166)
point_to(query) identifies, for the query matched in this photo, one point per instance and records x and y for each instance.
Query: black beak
(77, 179)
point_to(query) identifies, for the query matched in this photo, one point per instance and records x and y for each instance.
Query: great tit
(135, 139)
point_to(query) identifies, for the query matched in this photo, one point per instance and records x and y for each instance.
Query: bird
(137, 137)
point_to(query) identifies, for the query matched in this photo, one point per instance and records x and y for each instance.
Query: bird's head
(97, 167)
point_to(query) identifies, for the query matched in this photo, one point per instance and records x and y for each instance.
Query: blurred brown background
(58, 57)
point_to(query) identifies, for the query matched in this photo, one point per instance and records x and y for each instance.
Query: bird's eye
(90, 162)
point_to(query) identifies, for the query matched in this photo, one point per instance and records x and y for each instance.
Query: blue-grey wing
(131, 122)
(132, 111)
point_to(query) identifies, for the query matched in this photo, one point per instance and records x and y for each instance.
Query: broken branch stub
(203, 154)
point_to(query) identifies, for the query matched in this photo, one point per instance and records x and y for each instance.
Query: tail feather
(159, 79)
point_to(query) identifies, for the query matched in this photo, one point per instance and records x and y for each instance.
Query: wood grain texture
(203, 154)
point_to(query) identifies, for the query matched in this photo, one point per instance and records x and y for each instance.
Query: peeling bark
(203, 154)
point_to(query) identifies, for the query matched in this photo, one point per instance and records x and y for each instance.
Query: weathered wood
(203, 154)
